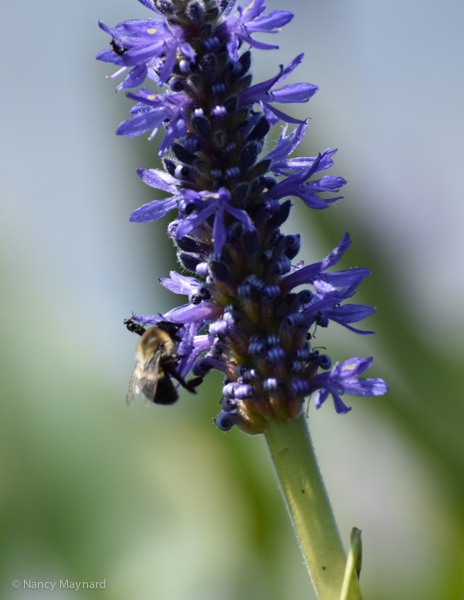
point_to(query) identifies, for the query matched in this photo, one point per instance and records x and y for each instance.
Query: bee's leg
(188, 385)
(193, 383)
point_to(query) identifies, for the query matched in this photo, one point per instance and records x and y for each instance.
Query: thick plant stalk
(308, 505)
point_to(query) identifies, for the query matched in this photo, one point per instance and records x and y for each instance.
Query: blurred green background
(157, 502)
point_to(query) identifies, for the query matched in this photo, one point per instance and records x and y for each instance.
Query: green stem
(307, 502)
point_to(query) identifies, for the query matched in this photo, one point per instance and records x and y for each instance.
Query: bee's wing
(144, 380)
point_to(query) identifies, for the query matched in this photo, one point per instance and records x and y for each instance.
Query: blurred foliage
(161, 504)
(425, 400)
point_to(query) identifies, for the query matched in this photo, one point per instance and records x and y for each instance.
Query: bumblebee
(156, 363)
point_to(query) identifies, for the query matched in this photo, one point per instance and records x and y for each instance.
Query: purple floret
(152, 110)
(264, 93)
(238, 28)
(148, 46)
(343, 379)
(207, 204)
(295, 185)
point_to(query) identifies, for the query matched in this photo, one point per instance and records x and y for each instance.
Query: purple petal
(290, 185)
(169, 63)
(251, 10)
(340, 406)
(180, 284)
(142, 123)
(191, 313)
(141, 54)
(187, 51)
(277, 18)
(352, 277)
(365, 387)
(286, 145)
(201, 343)
(232, 48)
(273, 115)
(158, 179)
(320, 397)
(241, 215)
(260, 45)
(350, 313)
(290, 68)
(228, 9)
(153, 210)
(355, 330)
(256, 92)
(135, 78)
(336, 254)
(295, 92)
(219, 234)
(329, 183)
(107, 56)
(295, 165)
(354, 367)
(194, 221)
(309, 197)
(176, 129)
(107, 29)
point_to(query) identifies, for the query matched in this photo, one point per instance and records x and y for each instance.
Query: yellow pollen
(152, 30)
(248, 8)
(151, 97)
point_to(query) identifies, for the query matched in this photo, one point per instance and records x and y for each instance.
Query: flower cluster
(250, 310)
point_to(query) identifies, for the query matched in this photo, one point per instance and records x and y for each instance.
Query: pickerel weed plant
(251, 310)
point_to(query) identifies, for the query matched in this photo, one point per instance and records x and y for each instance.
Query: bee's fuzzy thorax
(155, 339)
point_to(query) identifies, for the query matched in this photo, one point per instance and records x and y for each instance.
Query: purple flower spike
(244, 314)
